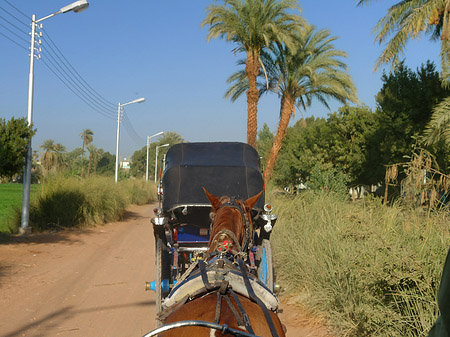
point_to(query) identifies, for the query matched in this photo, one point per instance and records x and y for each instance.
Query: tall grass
(372, 270)
(73, 201)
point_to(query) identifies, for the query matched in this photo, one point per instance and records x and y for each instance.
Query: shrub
(72, 201)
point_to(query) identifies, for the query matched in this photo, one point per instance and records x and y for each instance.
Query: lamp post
(149, 138)
(156, 160)
(77, 6)
(119, 115)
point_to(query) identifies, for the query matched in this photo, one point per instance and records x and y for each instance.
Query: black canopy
(224, 169)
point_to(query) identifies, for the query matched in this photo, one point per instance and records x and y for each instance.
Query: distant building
(125, 164)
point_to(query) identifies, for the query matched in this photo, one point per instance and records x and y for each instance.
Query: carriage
(182, 220)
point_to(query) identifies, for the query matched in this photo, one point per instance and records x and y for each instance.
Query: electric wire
(6, 36)
(136, 135)
(18, 10)
(131, 131)
(79, 96)
(80, 89)
(100, 97)
(77, 80)
(12, 24)
(70, 82)
(58, 64)
(14, 33)
(14, 17)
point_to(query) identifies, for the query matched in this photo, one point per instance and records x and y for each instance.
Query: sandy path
(88, 282)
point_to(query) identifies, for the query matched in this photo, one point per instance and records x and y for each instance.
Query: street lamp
(149, 138)
(77, 6)
(156, 160)
(119, 115)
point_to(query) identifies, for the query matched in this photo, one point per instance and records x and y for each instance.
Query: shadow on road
(53, 320)
(40, 238)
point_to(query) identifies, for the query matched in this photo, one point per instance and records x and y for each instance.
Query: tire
(265, 268)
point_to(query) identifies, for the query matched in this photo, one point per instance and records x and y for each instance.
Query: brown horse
(230, 233)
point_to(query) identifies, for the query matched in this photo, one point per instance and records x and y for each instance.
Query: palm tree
(87, 136)
(52, 157)
(314, 70)
(48, 158)
(92, 154)
(408, 20)
(58, 150)
(253, 25)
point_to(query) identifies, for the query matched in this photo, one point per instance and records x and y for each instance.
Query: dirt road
(89, 282)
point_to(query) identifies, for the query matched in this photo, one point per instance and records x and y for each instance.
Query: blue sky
(158, 50)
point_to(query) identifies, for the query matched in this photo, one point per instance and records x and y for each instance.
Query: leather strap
(202, 266)
(244, 315)
(256, 299)
(218, 307)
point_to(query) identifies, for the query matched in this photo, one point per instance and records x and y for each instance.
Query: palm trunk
(89, 166)
(287, 109)
(252, 70)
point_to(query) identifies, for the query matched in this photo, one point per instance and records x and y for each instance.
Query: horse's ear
(249, 203)
(215, 201)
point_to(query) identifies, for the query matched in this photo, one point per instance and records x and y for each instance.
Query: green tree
(351, 129)
(306, 145)
(15, 135)
(265, 141)
(139, 158)
(106, 164)
(75, 161)
(408, 20)
(253, 25)
(404, 107)
(87, 136)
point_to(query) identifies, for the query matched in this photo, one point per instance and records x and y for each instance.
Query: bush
(73, 201)
(373, 270)
(328, 179)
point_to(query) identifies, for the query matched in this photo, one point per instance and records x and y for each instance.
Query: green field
(10, 200)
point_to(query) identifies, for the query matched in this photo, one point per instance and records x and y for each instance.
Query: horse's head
(232, 224)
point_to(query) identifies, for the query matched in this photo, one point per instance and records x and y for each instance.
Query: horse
(231, 232)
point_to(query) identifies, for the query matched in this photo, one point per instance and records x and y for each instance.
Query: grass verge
(72, 201)
(10, 203)
(372, 270)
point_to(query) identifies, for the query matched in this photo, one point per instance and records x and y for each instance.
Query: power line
(63, 69)
(14, 33)
(79, 88)
(132, 132)
(76, 72)
(12, 24)
(18, 10)
(13, 41)
(13, 16)
(79, 96)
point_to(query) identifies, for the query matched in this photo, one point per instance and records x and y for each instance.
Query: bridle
(247, 239)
